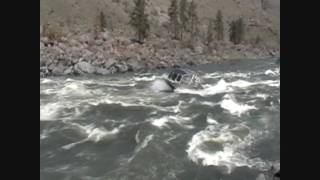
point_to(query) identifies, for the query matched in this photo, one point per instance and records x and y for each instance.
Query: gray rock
(84, 67)
(75, 60)
(121, 67)
(102, 71)
(43, 61)
(109, 62)
(42, 45)
(134, 65)
(44, 70)
(99, 42)
(113, 70)
(51, 66)
(69, 71)
(59, 69)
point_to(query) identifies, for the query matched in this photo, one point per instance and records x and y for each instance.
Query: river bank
(104, 54)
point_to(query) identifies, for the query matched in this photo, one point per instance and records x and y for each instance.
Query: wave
(145, 78)
(229, 103)
(271, 72)
(220, 145)
(184, 122)
(225, 87)
(94, 134)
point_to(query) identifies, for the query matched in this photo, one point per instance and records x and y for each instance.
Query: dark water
(115, 127)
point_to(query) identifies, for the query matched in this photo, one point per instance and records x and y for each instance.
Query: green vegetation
(139, 19)
(237, 31)
(219, 28)
(174, 19)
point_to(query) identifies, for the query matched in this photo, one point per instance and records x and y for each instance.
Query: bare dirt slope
(80, 14)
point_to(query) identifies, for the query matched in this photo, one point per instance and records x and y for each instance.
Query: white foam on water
(44, 134)
(128, 84)
(207, 103)
(241, 84)
(145, 142)
(263, 96)
(161, 122)
(46, 81)
(164, 121)
(98, 134)
(141, 146)
(74, 89)
(272, 83)
(61, 110)
(135, 101)
(218, 146)
(229, 103)
(94, 134)
(224, 87)
(108, 100)
(145, 78)
(167, 141)
(185, 122)
(211, 121)
(236, 74)
(211, 75)
(136, 137)
(220, 87)
(271, 72)
(49, 111)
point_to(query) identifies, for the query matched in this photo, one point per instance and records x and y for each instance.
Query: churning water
(116, 127)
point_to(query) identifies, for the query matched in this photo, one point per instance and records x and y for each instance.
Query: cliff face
(80, 15)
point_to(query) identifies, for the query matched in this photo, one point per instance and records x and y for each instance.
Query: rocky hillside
(80, 15)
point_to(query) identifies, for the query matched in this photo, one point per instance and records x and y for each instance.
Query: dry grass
(53, 33)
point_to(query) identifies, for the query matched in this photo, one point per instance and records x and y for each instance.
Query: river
(116, 127)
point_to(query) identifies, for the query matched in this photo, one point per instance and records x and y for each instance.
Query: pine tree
(183, 16)
(264, 4)
(210, 32)
(100, 23)
(193, 17)
(139, 19)
(237, 31)
(240, 30)
(232, 32)
(174, 19)
(219, 28)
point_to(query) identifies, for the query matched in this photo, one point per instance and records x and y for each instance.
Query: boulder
(59, 68)
(84, 67)
(69, 71)
(102, 71)
(134, 65)
(121, 67)
(109, 62)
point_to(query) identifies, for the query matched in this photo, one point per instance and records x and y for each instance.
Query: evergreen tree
(232, 32)
(210, 32)
(237, 31)
(174, 19)
(183, 16)
(100, 23)
(139, 19)
(219, 28)
(193, 17)
(240, 30)
(264, 4)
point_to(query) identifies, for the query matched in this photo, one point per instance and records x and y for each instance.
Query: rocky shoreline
(103, 54)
